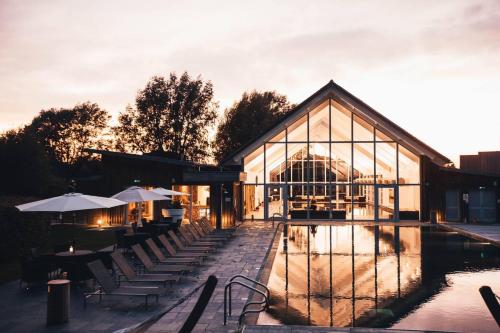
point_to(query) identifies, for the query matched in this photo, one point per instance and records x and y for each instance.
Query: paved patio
(244, 254)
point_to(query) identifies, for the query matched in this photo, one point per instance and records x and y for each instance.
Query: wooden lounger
(181, 246)
(152, 268)
(193, 240)
(164, 260)
(185, 254)
(132, 277)
(109, 288)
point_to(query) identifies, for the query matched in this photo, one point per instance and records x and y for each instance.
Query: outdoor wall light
(71, 249)
(99, 223)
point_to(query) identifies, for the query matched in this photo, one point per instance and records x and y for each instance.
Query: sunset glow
(431, 67)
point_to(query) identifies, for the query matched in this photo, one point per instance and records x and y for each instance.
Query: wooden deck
(480, 232)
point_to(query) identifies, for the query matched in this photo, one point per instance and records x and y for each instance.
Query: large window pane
(275, 162)
(319, 162)
(363, 162)
(318, 123)
(386, 162)
(276, 199)
(409, 202)
(341, 162)
(362, 130)
(298, 201)
(281, 137)
(253, 201)
(297, 162)
(298, 130)
(409, 169)
(341, 123)
(379, 136)
(254, 166)
(363, 202)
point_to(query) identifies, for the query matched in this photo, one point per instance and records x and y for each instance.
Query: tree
(65, 133)
(169, 116)
(248, 118)
(25, 166)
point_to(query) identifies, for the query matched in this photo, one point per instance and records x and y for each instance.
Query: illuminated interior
(332, 163)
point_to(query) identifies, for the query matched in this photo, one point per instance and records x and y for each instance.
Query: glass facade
(332, 163)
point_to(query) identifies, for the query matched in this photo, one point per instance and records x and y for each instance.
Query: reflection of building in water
(344, 275)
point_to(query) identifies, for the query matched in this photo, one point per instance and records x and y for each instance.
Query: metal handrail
(251, 280)
(245, 311)
(228, 285)
(274, 215)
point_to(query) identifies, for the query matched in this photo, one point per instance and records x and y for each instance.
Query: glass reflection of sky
(374, 276)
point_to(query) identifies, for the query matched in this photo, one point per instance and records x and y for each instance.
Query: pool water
(382, 276)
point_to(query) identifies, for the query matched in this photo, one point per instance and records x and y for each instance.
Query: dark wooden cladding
(483, 162)
(437, 180)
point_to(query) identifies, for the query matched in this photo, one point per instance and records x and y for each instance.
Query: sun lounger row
(172, 258)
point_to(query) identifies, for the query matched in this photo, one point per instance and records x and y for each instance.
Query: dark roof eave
(152, 158)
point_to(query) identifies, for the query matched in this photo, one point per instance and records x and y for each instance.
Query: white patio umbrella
(164, 191)
(138, 194)
(70, 202)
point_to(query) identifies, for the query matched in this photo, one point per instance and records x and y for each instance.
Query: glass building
(333, 158)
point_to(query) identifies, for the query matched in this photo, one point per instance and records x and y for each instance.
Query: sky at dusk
(432, 67)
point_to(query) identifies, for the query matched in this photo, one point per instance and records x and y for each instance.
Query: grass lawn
(62, 235)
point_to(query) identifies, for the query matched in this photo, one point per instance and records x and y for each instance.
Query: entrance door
(482, 206)
(386, 203)
(276, 201)
(452, 212)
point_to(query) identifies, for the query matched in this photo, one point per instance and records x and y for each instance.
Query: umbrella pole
(73, 230)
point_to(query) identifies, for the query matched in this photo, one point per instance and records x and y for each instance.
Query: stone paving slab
(318, 329)
(22, 311)
(481, 232)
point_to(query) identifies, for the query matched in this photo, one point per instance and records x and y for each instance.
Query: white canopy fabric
(138, 194)
(164, 191)
(69, 203)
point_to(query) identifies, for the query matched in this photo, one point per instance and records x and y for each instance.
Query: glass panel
(318, 123)
(341, 123)
(275, 199)
(253, 201)
(409, 202)
(254, 166)
(363, 202)
(363, 163)
(409, 168)
(297, 201)
(275, 162)
(320, 162)
(385, 203)
(297, 162)
(386, 163)
(341, 162)
(298, 130)
(281, 137)
(347, 198)
(362, 130)
(379, 136)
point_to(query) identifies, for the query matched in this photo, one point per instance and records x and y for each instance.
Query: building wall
(436, 181)
(485, 162)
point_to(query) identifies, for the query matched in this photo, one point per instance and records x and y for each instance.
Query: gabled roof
(354, 104)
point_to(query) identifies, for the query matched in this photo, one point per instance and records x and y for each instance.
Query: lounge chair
(132, 277)
(200, 237)
(193, 240)
(190, 248)
(152, 268)
(209, 228)
(109, 288)
(164, 260)
(207, 235)
(183, 254)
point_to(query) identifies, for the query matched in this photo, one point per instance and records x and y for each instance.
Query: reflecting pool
(382, 276)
